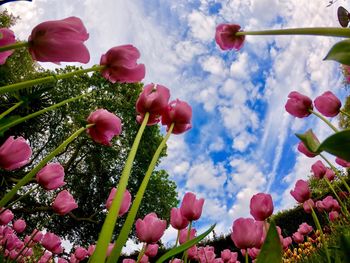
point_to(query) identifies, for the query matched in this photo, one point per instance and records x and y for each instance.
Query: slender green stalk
(345, 211)
(9, 110)
(124, 233)
(14, 46)
(313, 31)
(108, 226)
(142, 252)
(246, 257)
(176, 242)
(345, 113)
(188, 238)
(40, 165)
(53, 78)
(325, 120)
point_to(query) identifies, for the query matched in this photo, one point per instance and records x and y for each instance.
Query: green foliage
(340, 52)
(271, 251)
(344, 121)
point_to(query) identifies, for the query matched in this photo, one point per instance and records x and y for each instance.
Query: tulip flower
(80, 253)
(302, 148)
(225, 37)
(308, 205)
(334, 215)
(91, 249)
(151, 250)
(261, 206)
(150, 229)
(304, 229)
(125, 203)
(45, 258)
(62, 260)
(7, 38)
(19, 225)
(298, 238)
(128, 260)
(107, 125)
(177, 220)
(287, 241)
(226, 255)
(59, 41)
(328, 104)
(14, 153)
(6, 216)
(319, 169)
(298, 105)
(192, 253)
(144, 259)
(342, 162)
(52, 243)
(179, 113)
(301, 191)
(320, 206)
(64, 203)
(121, 65)
(206, 254)
(191, 208)
(51, 176)
(246, 233)
(330, 174)
(328, 203)
(183, 237)
(253, 252)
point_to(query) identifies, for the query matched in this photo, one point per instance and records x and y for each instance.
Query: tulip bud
(14, 153)
(225, 37)
(328, 104)
(191, 208)
(64, 203)
(261, 206)
(298, 105)
(301, 191)
(51, 176)
(7, 38)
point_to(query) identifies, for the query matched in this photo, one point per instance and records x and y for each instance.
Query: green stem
(40, 165)
(53, 78)
(2, 115)
(14, 46)
(111, 218)
(37, 113)
(325, 120)
(246, 257)
(345, 211)
(141, 253)
(124, 233)
(315, 31)
(188, 238)
(177, 240)
(345, 113)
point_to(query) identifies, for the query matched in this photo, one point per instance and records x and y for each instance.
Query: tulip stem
(48, 79)
(345, 113)
(129, 221)
(324, 119)
(246, 257)
(108, 226)
(14, 46)
(141, 252)
(313, 31)
(9, 110)
(187, 239)
(40, 165)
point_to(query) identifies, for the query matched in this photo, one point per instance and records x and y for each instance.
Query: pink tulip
(37, 236)
(62, 260)
(73, 259)
(175, 260)
(253, 252)
(192, 253)
(14, 153)
(308, 205)
(328, 104)
(109, 249)
(179, 113)
(64, 203)
(59, 41)
(225, 37)
(261, 206)
(7, 38)
(6, 216)
(287, 242)
(334, 215)
(152, 250)
(226, 255)
(191, 208)
(51, 176)
(144, 259)
(319, 169)
(177, 220)
(320, 206)
(246, 233)
(150, 229)
(298, 238)
(121, 65)
(125, 202)
(45, 258)
(301, 191)
(342, 162)
(304, 229)
(107, 125)
(80, 253)
(91, 249)
(184, 235)
(52, 243)
(128, 260)
(19, 225)
(330, 174)
(298, 105)
(336, 206)
(206, 254)
(303, 149)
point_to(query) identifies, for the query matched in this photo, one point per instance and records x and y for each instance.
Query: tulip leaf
(337, 144)
(340, 52)
(271, 251)
(184, 246)
(345, 245)
(309, 140)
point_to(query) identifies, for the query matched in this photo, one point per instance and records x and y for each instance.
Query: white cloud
(202, 26)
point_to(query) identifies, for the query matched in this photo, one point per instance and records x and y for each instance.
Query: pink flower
(151, 250)
(320, 206)
(64, 203)
(37, 235)
(308, 205)
(342, 162)
(261, 206)
(14, 153)
(191, 208)
(319, 169)
(52, 243)
(153, 99)
(226, 255)
(107, 125)
(59, 41)
(7, 38)
(6, 216)
(206, 254)
(246, 233)
(333, 216)
(330, 174)
(298, 105)
(51, 176)
(19, 225)
(328, 104)
(192, 253)
(62, 260)
(91, 249)
(225, 37)
(287, 241)
(184, 235)
(253, 252)
(150, 229)
(177, 220)
(109, 249)
(301, 191)
(80, 253)
(45, 258)
(121, 65)
(304, 229)
(302, 148)
(298, 238)
(328, 203)
(125, 202)
(144, 259)
(128, 260)
(179, 113)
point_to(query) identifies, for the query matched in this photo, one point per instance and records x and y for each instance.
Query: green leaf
(337, 144)
(310, 141)
(340, 52)
(5, 121)
(184, 246)
(271, 251)
(345, 245)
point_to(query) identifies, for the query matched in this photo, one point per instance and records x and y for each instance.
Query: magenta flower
(80, 253)
(253, 252)
(45, 258)
(319, 169)
(287, 241)
(14, 153)
(121, 65)
(52, 243)
(301, 191)
(19, 225)
(333, 215)
(125, 202)
(177, 220)
(328, 203)
(308, 205)
(206, 254)
(128, 260)
(328, 104)
(225, 255)
(261, 206)
(342, 162)
(191, 208)
(183, 237)
(246, 233)
(151, 250)
(303, 149)
(7, 38)
(107, 125)
(59, 41)
(51, 176)
(64, 203)
(298, 105)
(225, 37)
(6, 217)
(298, 238)
(150, 229)
(62, 260)
(304, 229)
(330, 174)
(179, 113)
(91, 249)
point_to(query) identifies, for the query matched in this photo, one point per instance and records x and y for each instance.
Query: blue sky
(242, 140)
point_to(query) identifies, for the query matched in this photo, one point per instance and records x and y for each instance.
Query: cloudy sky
(242, 141)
